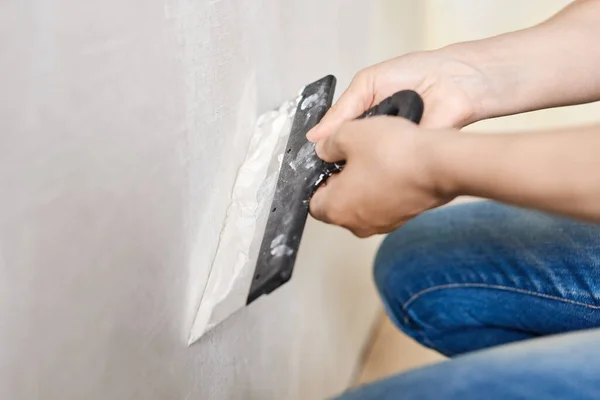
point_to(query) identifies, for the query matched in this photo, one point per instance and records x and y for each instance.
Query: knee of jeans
(397, 261)
(412, 260)
(382, 268)
(396, 272)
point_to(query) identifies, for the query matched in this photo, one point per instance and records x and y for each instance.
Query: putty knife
(301, 174)
(268, 257)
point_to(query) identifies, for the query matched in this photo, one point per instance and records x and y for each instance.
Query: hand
(386, 181)
(449, 87)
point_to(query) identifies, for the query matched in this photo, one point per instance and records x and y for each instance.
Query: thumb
(333, 148)
(353, 102)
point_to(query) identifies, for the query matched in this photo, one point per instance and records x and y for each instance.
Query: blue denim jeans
(483, 275)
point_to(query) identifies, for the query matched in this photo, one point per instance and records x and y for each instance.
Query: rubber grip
(405, 103)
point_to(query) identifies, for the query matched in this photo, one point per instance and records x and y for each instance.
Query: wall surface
(122, 126)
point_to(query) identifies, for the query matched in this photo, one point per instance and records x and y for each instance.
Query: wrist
(499, 82)
(449, 155)
(481, 78)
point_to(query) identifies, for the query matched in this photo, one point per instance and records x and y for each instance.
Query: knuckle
(361, 233)
(316, 208)
(325, 210)
(339, 213)
(335, 215)
(330, 147)
(362, 75)
(314, 211)
(335, 107)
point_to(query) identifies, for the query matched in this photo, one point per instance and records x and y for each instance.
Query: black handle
(405, 103)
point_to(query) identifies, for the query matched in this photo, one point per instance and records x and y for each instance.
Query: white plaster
(282, 250)
(239, 242)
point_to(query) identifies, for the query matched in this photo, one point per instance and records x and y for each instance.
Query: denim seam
(424, 337)
(407, 322)
(427, 341)
(497, 287)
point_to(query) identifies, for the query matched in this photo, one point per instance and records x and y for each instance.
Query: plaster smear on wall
(217, 141)
(209, 227)
(240, 239)
(121, 162)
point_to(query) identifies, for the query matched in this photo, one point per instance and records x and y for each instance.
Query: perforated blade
(299, 171)
(261, 236)
(261, 233)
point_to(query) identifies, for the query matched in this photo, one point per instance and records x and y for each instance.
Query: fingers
(319, 203)
(327, 206)
(333, 148)
(354, 136)
(353, 102)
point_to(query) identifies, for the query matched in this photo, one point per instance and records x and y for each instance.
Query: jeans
(470, 281)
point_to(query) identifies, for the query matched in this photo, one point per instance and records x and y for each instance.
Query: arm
(396, 170)
(557, 171)
(552, 64)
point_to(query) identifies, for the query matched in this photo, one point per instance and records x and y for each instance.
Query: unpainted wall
(122, 125)
(121, 128)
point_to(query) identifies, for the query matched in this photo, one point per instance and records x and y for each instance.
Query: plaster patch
(239, 242)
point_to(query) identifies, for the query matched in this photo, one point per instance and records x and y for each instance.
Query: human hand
(449, 88)
(387, 179)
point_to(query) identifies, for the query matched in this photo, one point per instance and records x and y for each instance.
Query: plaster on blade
(233, 266)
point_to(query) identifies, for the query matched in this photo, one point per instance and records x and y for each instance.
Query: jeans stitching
(429, 343)
(497, 287)
(425, 340)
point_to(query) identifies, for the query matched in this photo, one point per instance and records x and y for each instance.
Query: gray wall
(122, 124)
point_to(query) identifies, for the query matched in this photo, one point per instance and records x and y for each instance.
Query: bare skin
(396, 170)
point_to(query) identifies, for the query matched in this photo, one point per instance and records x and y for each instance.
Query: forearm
(553, 64)
(557, 171)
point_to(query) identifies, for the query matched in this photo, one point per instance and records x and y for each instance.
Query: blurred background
(122, 125)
